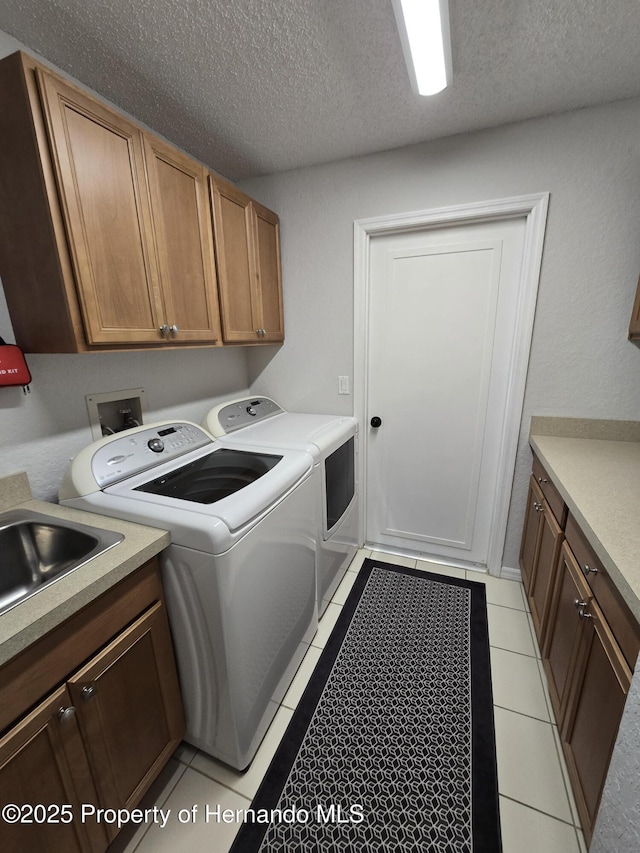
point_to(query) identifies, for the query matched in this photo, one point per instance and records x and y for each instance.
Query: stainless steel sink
(38, 549)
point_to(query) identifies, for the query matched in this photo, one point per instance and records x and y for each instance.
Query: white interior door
(443, 304)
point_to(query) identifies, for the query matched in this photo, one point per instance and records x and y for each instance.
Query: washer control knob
(376, 422)
(251, 411)
(156, 444)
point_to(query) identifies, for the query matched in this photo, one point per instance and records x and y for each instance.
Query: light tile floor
(537, 810)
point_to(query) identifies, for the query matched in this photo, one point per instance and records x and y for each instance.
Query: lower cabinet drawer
(552, 495)
(610, 602)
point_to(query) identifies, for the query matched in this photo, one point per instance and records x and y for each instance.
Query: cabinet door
(269, 275)
(529, 545)
(549, 541)
(247, 237)
(43, 763)
(233, 228)
(129, 710)
(182, 228)
(565, 629)
(594, 712)
(99, 164)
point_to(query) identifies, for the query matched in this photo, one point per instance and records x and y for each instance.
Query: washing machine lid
(262, 422)
(158, 485)
(200, 492)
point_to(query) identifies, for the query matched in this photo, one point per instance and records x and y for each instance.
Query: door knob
(376, 421)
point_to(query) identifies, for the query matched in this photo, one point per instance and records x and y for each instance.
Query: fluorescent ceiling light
(424, 32)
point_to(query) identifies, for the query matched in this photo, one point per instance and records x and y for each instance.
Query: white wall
(41, 431)
(581, 362)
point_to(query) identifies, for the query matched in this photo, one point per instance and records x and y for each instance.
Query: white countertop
(30, 620)
(599, 480)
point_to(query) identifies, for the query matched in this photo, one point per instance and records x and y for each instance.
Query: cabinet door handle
(65, 715)
(537, 506)
(584, 615)
(174, 329)
(88, 692)
(587, 570)
(542, 480)
(164, 329)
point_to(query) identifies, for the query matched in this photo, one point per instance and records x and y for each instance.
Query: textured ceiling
(259, 86)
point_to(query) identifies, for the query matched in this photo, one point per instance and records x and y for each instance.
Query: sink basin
(38, 549)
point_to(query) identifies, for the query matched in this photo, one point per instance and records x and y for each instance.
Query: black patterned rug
(392, 746)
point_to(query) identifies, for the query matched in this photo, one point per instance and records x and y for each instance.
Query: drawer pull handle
(542, 480)
(590, 570)
(581, 608)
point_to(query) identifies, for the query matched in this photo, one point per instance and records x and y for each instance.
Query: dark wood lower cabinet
(588, 637)
(127, 712)
(102, 737)
(44, 773)
(541, 540)
(599, 690)
(549, 542)
(563, 637)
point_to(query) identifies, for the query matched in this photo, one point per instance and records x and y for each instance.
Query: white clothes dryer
(332, 442)
(239, 575)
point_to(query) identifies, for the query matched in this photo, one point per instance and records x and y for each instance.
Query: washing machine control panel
(241, 413)
(126, 454)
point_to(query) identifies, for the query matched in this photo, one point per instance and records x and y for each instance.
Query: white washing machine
(332, 442)
(239, 575)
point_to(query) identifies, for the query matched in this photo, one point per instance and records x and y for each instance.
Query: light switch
(343, 385)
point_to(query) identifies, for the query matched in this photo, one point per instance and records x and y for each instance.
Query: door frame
(534, 209)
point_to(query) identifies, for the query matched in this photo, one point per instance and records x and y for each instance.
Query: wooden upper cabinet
(99, 164)
(247, 239)
(184, 239)
(106, 231)
(267, 236)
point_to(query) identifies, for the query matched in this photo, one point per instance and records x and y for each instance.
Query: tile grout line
(538, 811)
(522, 714)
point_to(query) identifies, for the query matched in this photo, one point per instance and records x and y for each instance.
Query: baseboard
(510, 574)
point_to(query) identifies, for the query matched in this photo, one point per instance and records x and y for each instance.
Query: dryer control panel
(242, 413)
